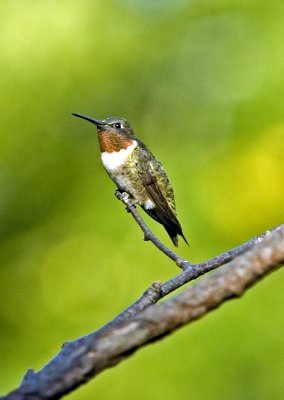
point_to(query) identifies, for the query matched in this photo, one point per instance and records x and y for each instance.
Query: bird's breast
(115, 159)
(122, 167)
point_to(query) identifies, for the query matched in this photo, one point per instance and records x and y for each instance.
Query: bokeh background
(202, 83)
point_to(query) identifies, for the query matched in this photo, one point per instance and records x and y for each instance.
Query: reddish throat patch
(112, 142)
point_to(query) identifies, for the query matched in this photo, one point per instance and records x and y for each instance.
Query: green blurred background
(202, 83)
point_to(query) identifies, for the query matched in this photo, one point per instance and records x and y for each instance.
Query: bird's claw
(125, 198)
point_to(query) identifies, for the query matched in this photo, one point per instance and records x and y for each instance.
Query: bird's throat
(112, 142)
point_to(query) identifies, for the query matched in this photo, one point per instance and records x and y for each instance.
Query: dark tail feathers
(172, 226)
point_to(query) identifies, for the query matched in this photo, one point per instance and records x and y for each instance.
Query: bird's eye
(117, 125)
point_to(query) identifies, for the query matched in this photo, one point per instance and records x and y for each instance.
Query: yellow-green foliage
(202, 83)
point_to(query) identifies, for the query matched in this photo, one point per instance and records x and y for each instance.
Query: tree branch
(192, 270)
(148, 234)
(85, 357)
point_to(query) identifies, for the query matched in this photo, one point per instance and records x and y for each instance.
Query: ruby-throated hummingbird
(135, 170)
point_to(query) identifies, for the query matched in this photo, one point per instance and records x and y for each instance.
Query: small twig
(197, 270)
(159, 290)
(148, 234)
(191, 271)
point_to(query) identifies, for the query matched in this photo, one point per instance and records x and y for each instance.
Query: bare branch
(192, 270)
(85, 357)
(148, 234)
(159, 290)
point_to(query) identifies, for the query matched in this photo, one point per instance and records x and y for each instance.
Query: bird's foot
(125, 198)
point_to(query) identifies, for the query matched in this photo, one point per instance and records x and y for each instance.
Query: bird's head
(114, 133)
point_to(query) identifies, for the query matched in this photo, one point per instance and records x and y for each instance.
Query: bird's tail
(173, 232)
(171, 225)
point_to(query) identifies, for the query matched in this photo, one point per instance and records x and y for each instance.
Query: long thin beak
(92, 120)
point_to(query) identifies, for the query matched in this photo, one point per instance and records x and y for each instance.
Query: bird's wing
(159, 189)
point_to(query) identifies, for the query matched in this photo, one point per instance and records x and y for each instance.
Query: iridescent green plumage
(135, 170)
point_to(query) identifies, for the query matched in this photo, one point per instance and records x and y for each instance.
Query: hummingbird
(136, 171)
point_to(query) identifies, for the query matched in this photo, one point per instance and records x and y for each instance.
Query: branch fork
(145, 321)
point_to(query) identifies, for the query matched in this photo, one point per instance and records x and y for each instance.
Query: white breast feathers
(114, 160)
